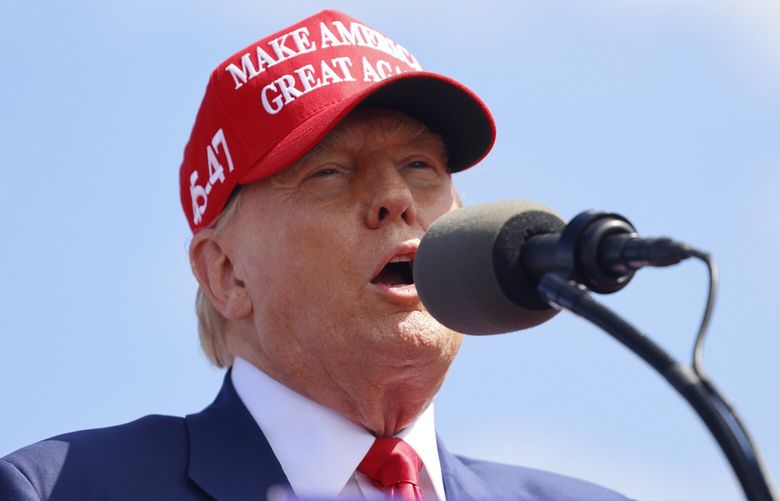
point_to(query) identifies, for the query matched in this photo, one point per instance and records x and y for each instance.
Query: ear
(214, 271)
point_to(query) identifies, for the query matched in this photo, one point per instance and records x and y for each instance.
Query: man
(319, 157)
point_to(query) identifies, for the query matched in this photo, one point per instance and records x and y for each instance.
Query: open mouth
(397, 272)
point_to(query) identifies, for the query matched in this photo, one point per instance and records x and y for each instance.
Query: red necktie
(394, 467)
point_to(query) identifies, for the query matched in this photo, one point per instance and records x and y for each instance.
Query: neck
(382, 399)
(384, 402)
(381, 386)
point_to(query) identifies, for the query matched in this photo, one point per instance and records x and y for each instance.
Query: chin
(417, 334)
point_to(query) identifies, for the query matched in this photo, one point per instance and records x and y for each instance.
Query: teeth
(400, 259)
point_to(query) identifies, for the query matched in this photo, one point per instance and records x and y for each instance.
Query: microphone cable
(689, 381)
(698, 345)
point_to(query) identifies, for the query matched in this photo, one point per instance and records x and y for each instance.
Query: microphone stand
(701, 394)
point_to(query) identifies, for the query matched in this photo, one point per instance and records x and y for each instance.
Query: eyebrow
(292, 170)
(412, 130)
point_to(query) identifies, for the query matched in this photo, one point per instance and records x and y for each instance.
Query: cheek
(435, 203)
(313, 290)
(311, 258)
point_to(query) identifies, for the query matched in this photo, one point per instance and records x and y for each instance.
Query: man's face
(312, 245)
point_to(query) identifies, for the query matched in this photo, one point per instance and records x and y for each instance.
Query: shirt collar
(318, 448)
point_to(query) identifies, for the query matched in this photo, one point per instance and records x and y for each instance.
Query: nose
(390, 200)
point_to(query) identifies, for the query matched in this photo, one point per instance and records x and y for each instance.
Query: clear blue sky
(665, 111)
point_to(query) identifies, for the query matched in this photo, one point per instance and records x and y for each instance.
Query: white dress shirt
(318, 448)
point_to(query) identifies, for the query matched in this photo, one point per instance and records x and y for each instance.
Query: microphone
(477, 271)
(477, 268)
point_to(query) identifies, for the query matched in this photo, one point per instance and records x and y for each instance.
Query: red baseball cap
(270, 103)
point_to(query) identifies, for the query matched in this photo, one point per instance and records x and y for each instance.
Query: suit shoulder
(151, 445)
(14, 485)
(152, 430)
(538, 484)
(149, 431)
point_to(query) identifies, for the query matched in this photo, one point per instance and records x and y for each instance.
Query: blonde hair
(211, 323)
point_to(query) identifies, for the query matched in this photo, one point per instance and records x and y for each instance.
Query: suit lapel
(230, 458)
(460, 483)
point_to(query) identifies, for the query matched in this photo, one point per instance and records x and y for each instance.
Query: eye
(419, 164)
(324, 172)
(423, 169)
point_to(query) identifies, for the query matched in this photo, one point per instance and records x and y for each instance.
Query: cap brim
(444, 105)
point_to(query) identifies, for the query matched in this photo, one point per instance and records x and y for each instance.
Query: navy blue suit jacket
(220, 453)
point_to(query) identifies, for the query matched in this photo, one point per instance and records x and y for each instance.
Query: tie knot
(390, 462)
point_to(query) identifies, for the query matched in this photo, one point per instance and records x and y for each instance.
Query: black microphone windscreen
(467, 270)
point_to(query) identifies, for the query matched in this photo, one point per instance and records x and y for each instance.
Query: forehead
(363, 122)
